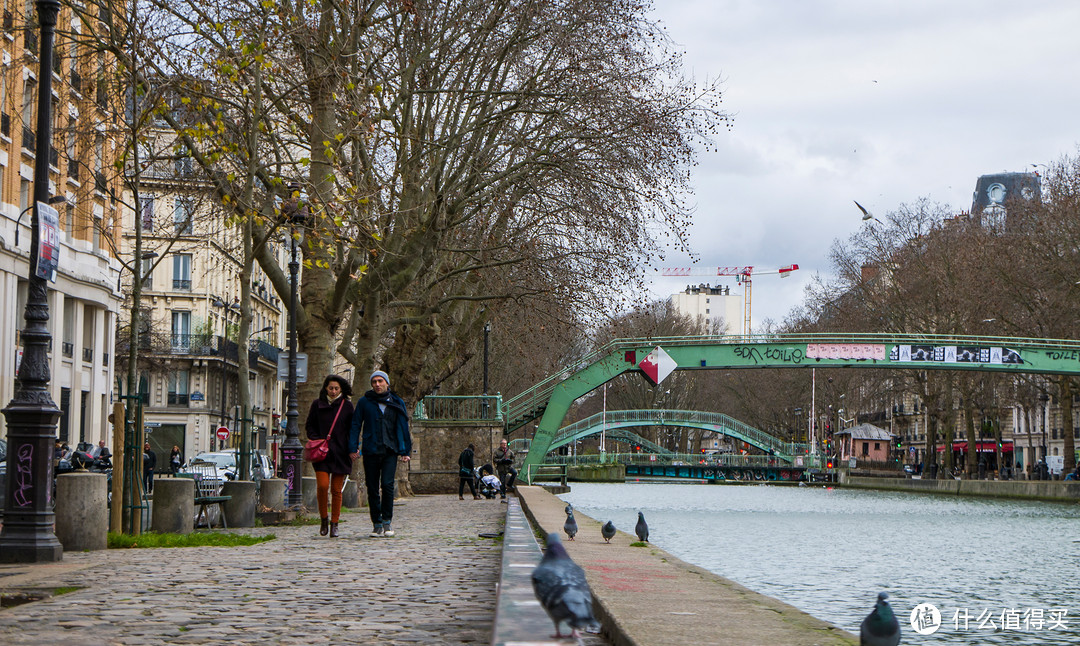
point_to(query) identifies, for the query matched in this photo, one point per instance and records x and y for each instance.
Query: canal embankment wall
(1046, 490)
(645, 596)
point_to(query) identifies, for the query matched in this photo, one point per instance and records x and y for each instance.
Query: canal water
(997, 571)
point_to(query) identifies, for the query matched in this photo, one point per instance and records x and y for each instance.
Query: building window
(181, 332)
(865, 449)
(178, 388)
(147, 273)
(182, 215)
(69, 220)
(147, 213)
(182, 271)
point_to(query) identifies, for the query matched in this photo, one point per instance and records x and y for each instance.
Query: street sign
(283, 367)
(223, 433)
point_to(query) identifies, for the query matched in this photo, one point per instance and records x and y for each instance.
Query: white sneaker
(387, 532)
(377, 532)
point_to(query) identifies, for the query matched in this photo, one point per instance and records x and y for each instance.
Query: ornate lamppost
(225, 306)
(27, 536)
(292, 449)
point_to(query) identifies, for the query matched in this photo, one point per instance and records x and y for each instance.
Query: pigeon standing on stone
(562, 590)
(608, 531)
(880, 628)
(570, 526)
(642, 528)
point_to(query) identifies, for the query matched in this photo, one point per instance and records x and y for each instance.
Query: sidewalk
(432, 583)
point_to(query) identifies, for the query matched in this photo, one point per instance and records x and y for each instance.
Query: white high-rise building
(716, 309)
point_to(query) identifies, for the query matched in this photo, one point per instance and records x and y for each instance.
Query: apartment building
(83, 302)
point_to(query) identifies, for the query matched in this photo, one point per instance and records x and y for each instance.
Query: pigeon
(562, 590)
(608, 531)
(569, 508)
(880, 628)
(642, 528)
(570, 526)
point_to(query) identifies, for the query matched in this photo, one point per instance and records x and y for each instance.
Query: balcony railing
(68, 349)
(183, 284)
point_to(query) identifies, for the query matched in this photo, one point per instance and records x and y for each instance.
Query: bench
(207, 491)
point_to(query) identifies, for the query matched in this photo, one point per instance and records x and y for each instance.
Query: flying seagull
(866, 215)
(880, 627)
(608, 531)
(562, 590)
(570, 526)
(642, 528)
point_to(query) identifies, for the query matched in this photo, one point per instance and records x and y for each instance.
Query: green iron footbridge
(551, 399)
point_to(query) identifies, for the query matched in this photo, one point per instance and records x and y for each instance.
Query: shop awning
(987, 446)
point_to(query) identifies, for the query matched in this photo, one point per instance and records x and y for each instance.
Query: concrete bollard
(272, 493)
(82, 511)
(240, 509)
(350, 495)
(174, 506)
(310, 499)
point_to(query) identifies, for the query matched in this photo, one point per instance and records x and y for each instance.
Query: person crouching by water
(380, 432)
(331, 415)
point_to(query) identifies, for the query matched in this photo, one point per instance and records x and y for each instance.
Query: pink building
(864, 442)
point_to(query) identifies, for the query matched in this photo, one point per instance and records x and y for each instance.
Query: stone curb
(645, 596)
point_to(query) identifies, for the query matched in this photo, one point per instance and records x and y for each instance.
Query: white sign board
(283, 367)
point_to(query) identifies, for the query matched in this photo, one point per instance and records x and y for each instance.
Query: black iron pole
(291, 449)
(487, 333)
(224, 367)
(27, 536)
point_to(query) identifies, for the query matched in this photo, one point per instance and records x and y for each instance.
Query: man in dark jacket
(149, 463)
(465, 473)
(380, 432)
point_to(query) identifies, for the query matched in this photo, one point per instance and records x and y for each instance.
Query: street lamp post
(218, 302)
(27, 535)
(291, 449)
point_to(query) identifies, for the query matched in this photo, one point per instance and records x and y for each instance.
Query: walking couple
(377, 429)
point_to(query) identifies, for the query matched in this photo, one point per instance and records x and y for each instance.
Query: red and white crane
(742, 275)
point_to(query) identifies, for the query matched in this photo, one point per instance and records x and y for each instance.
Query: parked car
(226, 461)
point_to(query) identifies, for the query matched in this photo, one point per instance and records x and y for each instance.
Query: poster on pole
(48, 241)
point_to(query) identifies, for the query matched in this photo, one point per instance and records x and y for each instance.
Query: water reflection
(830, 551)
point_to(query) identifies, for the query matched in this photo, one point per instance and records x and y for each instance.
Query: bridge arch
(614, 421)
(551, 399)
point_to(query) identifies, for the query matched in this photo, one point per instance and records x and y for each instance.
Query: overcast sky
(880, 102)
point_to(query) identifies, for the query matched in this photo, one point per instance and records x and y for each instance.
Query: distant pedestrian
(149, 463)
(465, 473)
(330, 418)
(504, 464)
(176, 460)
(103, 452)
(380, 431)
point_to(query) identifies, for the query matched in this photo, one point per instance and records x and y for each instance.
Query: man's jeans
(379, 474)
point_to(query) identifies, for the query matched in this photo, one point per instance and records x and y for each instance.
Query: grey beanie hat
(380, 373)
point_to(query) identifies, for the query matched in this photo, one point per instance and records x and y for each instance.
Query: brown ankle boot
(333, 530)
(324, 526)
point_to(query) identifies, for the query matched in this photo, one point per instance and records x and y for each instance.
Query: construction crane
(742, 275)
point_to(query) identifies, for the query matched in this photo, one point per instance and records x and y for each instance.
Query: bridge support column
(437, 445)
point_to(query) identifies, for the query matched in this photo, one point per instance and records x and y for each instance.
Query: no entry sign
(223, 433)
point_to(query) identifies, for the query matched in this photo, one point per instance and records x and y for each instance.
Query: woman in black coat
(331, 408)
